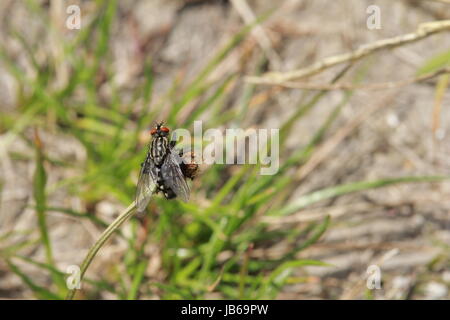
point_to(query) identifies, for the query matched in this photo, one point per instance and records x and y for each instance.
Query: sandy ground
(403, 229)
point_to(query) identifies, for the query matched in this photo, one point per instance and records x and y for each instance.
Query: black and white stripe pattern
(158, 150)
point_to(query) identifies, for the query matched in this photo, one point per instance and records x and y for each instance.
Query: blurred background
(361, 191)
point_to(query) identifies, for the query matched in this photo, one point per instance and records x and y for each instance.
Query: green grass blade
(278, 277)
(137, 280)
(39, 291)
(39, 183)
(195, 85)
(124, 216)
(332, 192)
(435, 63)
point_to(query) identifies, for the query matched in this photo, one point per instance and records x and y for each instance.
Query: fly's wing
(146, 185)
(173, 177)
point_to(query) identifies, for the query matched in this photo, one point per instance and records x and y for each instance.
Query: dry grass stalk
(424, 30)
(372, 86)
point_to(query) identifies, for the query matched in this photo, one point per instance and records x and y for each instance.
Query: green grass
(192, 236)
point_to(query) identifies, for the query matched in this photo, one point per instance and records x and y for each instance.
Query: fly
(163, 170)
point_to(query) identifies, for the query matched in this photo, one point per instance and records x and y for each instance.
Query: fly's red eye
(165, 129)
(153, 131)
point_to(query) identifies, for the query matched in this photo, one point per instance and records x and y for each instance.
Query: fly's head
(160, 130)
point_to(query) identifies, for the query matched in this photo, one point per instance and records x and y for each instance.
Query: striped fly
(163, 170)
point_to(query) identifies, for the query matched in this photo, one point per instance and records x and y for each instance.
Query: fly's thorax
(159, 148)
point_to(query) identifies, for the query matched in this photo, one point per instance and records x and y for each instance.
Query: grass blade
(39, 291)
(332, 192)
(124, 216)
(39, 183)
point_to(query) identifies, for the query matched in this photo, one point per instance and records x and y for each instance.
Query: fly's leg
(169, 194)
(173, 141)
(172, 144)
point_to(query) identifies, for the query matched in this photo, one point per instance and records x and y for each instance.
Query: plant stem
(124, 216)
